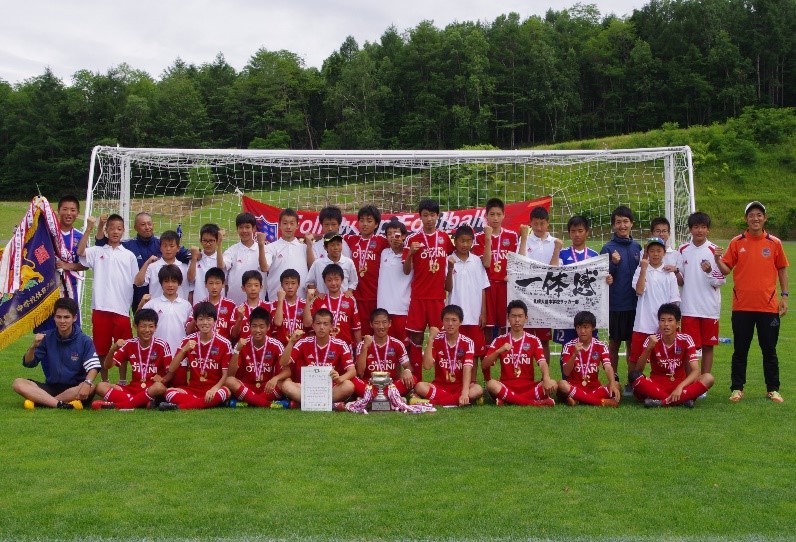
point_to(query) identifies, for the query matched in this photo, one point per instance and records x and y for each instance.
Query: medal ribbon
(363, 253)
(517, 356)
(203, 360)
(379, 365)
(290, 320)
(666, 355)
(144, 369)
(318, 359)
(259, 369)
(583, 366)
(336, 313)
(452, 365)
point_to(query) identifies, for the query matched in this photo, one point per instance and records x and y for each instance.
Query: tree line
(511, 83)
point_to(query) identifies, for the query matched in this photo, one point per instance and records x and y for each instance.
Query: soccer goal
(190, 187)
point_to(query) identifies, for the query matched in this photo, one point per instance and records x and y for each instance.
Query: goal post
(190, 187)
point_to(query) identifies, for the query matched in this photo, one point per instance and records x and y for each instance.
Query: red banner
(516, 215)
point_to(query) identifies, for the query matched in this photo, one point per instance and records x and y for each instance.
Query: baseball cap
(754, 204)
(331, 236)
(656, 241)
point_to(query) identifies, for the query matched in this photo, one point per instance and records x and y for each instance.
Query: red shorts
(454, 388)
(704, 331)
(544, 333)
(523, 386)
(477, 335)
(360, 385)
(108, 327)
(637, 346)
(366, 308)
(424, 312)
(398, 327)
(496, 302)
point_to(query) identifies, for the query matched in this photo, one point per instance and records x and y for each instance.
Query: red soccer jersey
(429, 264)
(245, 328)
(256, 366)
(507, 241)
(389, 357)
(669, 361)
(292, 319)
(517, 364)
(586, 370)
(306, 352)
(145, 362)
(206, 361)
(345, 315)
(450, 360)
(225, 314)
(365, 253)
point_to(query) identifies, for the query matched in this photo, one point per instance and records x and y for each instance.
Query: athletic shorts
(544, 333)
(637, 346)
(109, 327)
(398, 327)
(620, 325)
(366, 307)
(496, 302)
(53, 389)
(424, 312)
(704, 331)
(454, 388)
(523, 386)
(477, 335)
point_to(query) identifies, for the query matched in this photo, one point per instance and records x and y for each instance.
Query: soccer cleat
(703, 396)
(736, 396)
(77, 405)
(231, 403)
(571, 401)
(294, 405)
(500, 402)
(417, 400)
(480, 401)
(65, 406)
(689, 403)
(281, 403)
(28, 404)
(613, 403)
(775, 397)
(628, 390)
(549, 402)
(165, 405)
(653, 403)
(101, 405)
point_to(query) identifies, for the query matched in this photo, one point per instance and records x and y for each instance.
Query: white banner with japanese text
(554, 295)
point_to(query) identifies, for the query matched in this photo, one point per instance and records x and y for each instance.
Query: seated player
(68, 359)
(255, 374)
(287, 312)
(150, 358)
(206, 356)
(381, 352)
(252, 286)
(345, 323)
(517, 351)
(225, 308)
(669, 352)
(581, 360)
(451, 355)
(321, 349)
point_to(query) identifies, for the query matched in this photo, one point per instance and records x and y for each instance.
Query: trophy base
(380, 406)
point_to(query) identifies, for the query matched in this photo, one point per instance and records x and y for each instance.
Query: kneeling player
(255, 372)
(451, 355)
(668, 353)
(384, 353)
(581, 359)
(207, 355)
(150, 358)
(517, 351)
(319, 349)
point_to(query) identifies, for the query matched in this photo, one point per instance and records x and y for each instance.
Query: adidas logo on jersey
(713, 338)
(743, 249)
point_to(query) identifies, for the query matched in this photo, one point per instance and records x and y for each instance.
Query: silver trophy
(380, 380)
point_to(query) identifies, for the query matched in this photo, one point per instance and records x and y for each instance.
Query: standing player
(450, 354)
(149, 357)
(395, 288)
(701, 298)
(207, 356)
(669, 353)
(148, 274)
(380, 352)
(248, 254)
(345, 322)
(366, 249)
(758, 260)
(330, 219)
(622, 298)
(225, 307)
(287, 312)
(517, 351)
(320, 349)
(173, 311)
(425, 254)
(252, 286)
(662, 228)
(288, 252)
(207, 258)
(255, 373)
(582, 357)
(333, 243)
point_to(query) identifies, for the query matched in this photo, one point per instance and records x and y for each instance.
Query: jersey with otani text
(206, 361)
(429, 264)
(345, 315)
(450, 360)
(258, 365)
(292, 319)
(306, 353)
(669, 362)
(145, 361)
(365, 253)
(503, 243)
(517, 363)
(389, 357)
(586, 370)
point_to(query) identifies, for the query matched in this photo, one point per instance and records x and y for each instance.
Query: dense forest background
(511, 83)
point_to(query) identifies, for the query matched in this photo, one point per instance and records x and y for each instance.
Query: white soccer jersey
(701, 294)
(659, 288)
(204, 263)
(395, 288)
(151, 279)
(172, 316)
(237, 260)
(672, 257)
(469, 282)
(350, 277)
(114, 272)
(282, 255)
(320, 251)
(540, 250)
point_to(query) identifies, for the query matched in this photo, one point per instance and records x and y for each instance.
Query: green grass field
(721, 471)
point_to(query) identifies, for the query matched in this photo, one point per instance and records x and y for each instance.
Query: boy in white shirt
(148, 274)
(395, 288)
(210, 236)
(333, 243)
(114, 268)
(287, 252)
(660, 227)
(330, 218)
(246, 255)
(654, 287)
(173, 311)
(467, 283)
(701, 298)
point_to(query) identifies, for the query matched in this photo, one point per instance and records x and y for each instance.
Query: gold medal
(584, 383)
(498, 267)
(143, 384)
(517, 372)
(363, 270)
(451, 377)
(433, 266)
(335, 331)
(671, 377)
(258, 384)
(203, 377)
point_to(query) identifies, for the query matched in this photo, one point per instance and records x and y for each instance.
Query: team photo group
(214, 326)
